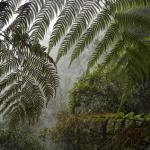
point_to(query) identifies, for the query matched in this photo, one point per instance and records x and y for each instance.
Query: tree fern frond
(6, 13)
(129, 19)
(134, 70)
(14, 4)
(9, 101)
(125, 5)
(13, 89)
(113, 55)
(8, 66)
(9, 111)
(120, 65)
(29, 80)
(5, 54)
(87, 14)
(26, 14)
(27, 70)
(100, 23)
(53, 79)
(3, 45)
(138, 60)
(8, 80)
(132, 62)
(42, 22)
(110, 36)
(28, 75)
(65, 20)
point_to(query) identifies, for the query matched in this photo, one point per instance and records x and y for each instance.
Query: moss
(133, 137)
(86, 131)
(94, 92)
(97, 92)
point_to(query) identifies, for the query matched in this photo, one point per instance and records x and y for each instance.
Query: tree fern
(99, 24)
(89, 10)
(43, 19)
(28, 75)
(124, 13)
(65, 20)
(110, 36)
(79, 23)
(28, 82)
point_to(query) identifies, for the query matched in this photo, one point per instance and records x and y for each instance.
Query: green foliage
(133, 138)
(95, 92)
(101, 131)
(102, 92)
(138, 101)
(125, 42)
(28, 81)
(96, 127)
(123, 21)
(28, 74)
(126, 38)
(18, 140)
(79, 23)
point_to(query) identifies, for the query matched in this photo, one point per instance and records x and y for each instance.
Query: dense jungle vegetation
(108, 107)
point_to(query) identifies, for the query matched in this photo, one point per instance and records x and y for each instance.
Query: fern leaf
(110, 36)
(42, 21)
(65, 20)
(87, 14)
(100, 23)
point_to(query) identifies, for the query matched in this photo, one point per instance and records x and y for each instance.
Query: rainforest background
(75, 74)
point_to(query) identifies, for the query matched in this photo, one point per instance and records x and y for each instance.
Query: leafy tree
(18, 140)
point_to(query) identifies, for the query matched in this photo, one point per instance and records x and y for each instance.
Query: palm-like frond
(26, 14)
(134, 50)
(33, 16)
(5, 13)
(120, 18)
(28, 82)
(78, 24)
(99, 24)
(65, 20)
(110, 36)
(115, 10)
(125, 5)
(89, 10)
(43, 19)
(28, 74)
